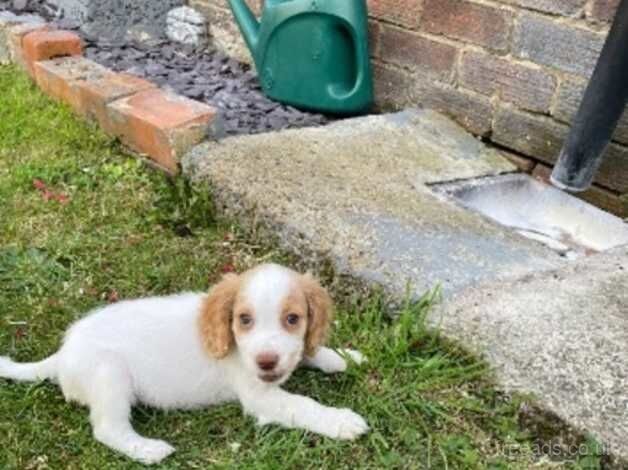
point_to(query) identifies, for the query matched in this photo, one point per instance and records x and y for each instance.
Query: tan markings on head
(215, 316)
(294, 312)
(320, 313)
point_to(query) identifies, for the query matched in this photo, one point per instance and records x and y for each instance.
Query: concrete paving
(560, 335)
(357, 192)
(357, 196)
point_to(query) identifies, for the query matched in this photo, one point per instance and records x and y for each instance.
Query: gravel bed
(30, 7)
(200, 74)
(210, 77)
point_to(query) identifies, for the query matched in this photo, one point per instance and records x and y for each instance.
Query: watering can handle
(360, 63)
(248, 24)
(362, 57)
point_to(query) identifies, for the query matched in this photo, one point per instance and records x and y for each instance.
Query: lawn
(82, 223)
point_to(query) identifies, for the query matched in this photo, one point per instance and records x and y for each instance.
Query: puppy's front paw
(151, 451)
(347, 424)
(332, 363)
(356, 356)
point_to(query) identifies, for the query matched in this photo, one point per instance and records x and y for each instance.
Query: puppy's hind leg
(109, 397)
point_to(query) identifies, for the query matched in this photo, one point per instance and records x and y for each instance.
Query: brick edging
(156, 123)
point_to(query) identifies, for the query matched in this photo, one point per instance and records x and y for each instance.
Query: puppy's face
(271, 315)
(269, 323)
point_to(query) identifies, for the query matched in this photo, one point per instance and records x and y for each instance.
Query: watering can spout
(248, 24)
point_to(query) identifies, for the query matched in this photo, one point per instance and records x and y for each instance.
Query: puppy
(239, 342)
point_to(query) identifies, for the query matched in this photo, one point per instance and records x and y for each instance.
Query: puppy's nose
(267, 361)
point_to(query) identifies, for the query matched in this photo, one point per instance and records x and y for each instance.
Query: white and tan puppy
(239, 342)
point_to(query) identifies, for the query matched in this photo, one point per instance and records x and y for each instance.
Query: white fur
(150, 351)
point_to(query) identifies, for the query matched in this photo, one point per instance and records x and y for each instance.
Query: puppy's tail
(28, 371)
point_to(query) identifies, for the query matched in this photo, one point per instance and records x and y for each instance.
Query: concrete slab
(356, 192)
(356, 196)
(561, 335)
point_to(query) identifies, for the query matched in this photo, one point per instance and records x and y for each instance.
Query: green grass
(126, 231)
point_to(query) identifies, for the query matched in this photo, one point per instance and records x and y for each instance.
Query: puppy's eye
(246, 319)
(292, 319)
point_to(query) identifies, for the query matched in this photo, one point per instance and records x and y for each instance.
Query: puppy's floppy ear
(320, 313)
(215, 316)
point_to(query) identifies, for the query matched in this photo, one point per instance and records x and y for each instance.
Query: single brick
(523, 163)
(536, 136)
(613, 172)
(395, 89)
(607, 200)
(416, 52)
(555, 7)
(596, 195)
(542, 172)
(374, 34)
(542, 138)
(96, 92)
(58, 78)
(602, 10)
(570, 93)
(45, 45)
(471, 22)
(15, 35)
(558, 45)
(161, 125)
(529, 88)
(471, 111)
(405, 13)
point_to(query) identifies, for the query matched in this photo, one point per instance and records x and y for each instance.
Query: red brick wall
(511, 71)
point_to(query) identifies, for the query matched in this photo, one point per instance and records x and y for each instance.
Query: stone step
(561, 336)
(358, 192)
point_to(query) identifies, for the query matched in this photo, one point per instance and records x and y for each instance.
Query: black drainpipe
(601, 107)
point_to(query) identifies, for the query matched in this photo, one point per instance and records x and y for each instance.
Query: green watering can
(311, 54)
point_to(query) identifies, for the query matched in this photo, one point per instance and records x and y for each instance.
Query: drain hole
(535, 210)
